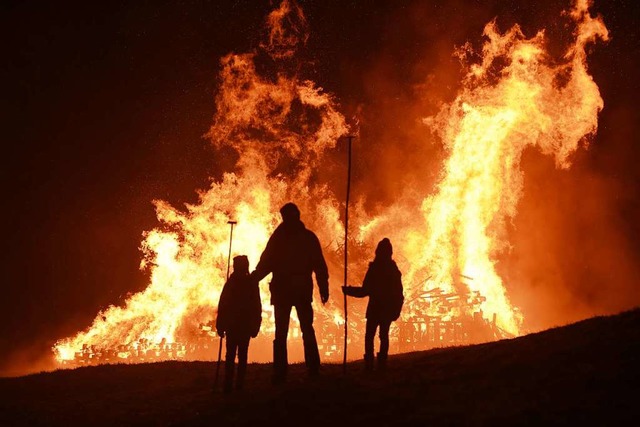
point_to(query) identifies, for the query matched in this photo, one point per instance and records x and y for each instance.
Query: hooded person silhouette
(383, 285)
(293, 253)
(239, 318)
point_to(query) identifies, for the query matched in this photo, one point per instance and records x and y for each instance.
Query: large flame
(283, 129)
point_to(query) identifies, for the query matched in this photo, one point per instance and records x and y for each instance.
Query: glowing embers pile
(138, 352)
(447, 319)
(443, 319)
(284, 130)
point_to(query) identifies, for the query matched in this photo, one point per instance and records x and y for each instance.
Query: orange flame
(287, 29)
(499, 112)
(283, 129)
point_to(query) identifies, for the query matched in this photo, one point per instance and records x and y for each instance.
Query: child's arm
(359, 291)
(354, 291)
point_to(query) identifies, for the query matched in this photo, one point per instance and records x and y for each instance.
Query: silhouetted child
(383, 285)
(239, 319)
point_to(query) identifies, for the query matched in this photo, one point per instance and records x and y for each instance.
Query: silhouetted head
(290, 213)
(384, 249)
(241, 264)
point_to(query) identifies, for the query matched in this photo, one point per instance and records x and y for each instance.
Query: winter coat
(239, 308)
(292, 254)
(383, 285)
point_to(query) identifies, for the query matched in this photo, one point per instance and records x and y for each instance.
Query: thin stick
(346, 235)
(232, 223)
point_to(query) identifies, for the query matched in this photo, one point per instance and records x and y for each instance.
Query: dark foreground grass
(581, 374)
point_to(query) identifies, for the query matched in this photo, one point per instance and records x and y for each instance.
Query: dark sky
(104, 106)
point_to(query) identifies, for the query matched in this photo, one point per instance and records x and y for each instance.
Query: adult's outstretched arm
(265, 265)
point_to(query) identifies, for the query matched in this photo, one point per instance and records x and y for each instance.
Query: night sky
(104, 108)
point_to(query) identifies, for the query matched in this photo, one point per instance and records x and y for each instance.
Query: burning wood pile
(138, 352)
(452, 326)
(458, 320)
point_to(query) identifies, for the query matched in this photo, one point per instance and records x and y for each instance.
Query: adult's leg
(384, 344)
(243, 352)
(229, 364)
(311, 353)
(369, 335)
(280, 362)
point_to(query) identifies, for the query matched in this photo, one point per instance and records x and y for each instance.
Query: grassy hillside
(582, 374)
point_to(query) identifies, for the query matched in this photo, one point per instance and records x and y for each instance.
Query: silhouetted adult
(239, 318)
(292, 254)
(383, 285)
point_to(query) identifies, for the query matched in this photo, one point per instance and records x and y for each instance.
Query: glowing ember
(283, 129)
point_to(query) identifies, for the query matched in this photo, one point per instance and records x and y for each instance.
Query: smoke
(573, 254)
(28, 359)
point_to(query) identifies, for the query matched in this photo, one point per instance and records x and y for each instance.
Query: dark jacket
(383, 285)
(239, 308)
(292, 254)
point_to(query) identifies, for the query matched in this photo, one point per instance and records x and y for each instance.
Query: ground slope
(581, 374)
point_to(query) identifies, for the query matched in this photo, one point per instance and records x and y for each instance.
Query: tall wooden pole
(232, 223)
(346, 236)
